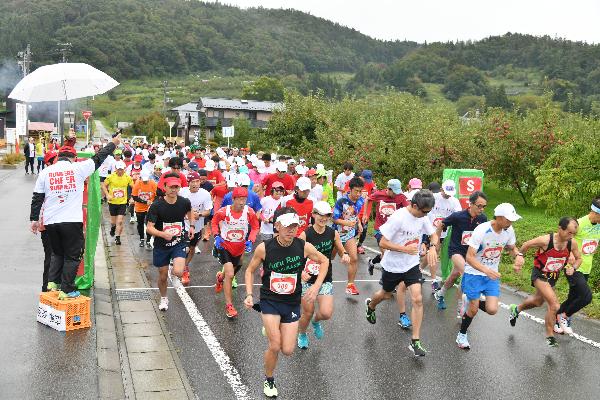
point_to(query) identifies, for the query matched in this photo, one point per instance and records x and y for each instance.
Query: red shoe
(351, 289)
(360, 250)
(230, 311)
(185, 278)
(219, 284)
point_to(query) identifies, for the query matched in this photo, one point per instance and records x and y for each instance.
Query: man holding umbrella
(60, 189)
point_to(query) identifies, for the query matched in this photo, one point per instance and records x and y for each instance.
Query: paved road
(101, 131)
(37, 361)
(356, 360)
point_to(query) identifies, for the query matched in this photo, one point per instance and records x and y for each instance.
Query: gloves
(218, 242)
(248, 246)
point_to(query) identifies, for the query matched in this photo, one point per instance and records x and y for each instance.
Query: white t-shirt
(316, 193)
(149, 166)
(409, 195)
(269, 205)
(489, 246)
(145, 153)
(341, 181)
(443, 208)
(201, 201)
(404, 229)
(62, 184)
(106, 166)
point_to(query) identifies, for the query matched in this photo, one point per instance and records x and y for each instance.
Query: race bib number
(118, 193)
(411, 242)
(145, 196)
(437, 221)
(303, 220)
(235, 235)
(464, 239)
(312, 267)
(554, 264)
(174, 228)
(283, 283)
(589, 246)
(387, 209)
(492, 253)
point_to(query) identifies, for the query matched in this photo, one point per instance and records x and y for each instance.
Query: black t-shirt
(324, 243)
(207, 186)
(282, 271)
(462, 227)
(170, 217)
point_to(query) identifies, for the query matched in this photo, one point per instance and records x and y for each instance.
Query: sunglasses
(480, 206)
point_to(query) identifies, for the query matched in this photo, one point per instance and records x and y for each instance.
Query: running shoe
(417, 348)
(441, 302)
(462, 341)
(185, 277)
(435, 286)
(113, 229)
(558, 329)
(132, 220)
(141, 242)
(197, 250)
(302, 341)
(219, 284)
(68, 296)
(164, 304)
(404, 321)
(148, 245)
(551, 341)
(564, 324)
(351, 289)
(270, 389)
(118, 241)
(514, 314)
(318, 329)
(570, 330)
(371, 266)
(53, 287)
(230, 311)
(234, 283)
(360, 250)
(370, 312)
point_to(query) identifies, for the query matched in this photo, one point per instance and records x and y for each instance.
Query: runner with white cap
(325, 239)
(300, 202)
(114, 188)
(280, 176)
(283, 259)
(143, 194)
(481, 276)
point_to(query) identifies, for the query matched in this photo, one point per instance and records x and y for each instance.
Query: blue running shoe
(404, 321)
(303, 340)
(441, 303)
(318, 329)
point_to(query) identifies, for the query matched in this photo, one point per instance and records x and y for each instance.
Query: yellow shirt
(117, 187)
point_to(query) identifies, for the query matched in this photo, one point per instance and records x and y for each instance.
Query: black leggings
(67, 244)
(580, 294)
(141, 228)
(29, 163)
(47, 260)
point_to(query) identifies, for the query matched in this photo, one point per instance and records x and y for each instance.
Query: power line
(65, 50)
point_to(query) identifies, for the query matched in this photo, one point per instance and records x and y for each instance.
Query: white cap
(243, 180)
(230, 183)
(449, 187)
(239, 161)
(210, 165)
(303, 183)
(302, 160)
(320, 167)
(291, 161)
(288, 219)
(322, 208)
(282, 167)
(120, 165)
(260, 166)
(300, 170)
(507, 211)
(222, 165)
(145, 175)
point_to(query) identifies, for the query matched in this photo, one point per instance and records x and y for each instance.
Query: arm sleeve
(253, 226)
(102, 154)
(138, 199)
(449, 220)
(37, 200)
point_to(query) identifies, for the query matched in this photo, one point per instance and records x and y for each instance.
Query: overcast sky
(443, 20)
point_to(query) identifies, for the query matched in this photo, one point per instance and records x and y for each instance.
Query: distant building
(213, 110)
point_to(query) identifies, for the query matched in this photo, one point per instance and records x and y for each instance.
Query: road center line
(231, 374)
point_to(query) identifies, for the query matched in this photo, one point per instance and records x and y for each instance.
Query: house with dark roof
(208, 111)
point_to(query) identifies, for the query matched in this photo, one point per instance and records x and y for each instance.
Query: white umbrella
(64, 81)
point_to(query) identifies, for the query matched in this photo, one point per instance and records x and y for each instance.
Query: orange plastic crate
(76, 311)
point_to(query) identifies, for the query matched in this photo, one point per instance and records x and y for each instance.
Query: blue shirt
(253, 201)
(462, 226)
(347, 210)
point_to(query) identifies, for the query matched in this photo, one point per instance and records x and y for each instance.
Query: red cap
(239, 192)
(249, 165)
(277, 184)
(49, 156)
(138, 157)
(311, 172)
(193, 176)
(68, 149)
(172, 181)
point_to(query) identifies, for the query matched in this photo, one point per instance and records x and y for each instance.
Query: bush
(13, 158)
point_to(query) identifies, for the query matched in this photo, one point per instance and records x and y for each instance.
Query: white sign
(228, 131)
(171, 124)
(11, 135)
(21, 118)
(55, 319)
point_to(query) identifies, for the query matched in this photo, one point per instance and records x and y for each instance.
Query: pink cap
(415, 183)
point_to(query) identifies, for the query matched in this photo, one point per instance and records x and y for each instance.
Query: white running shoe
(462, 341)
(564, 325)
(558, 329)
(197, 250)
(164, 304)
(132, 220)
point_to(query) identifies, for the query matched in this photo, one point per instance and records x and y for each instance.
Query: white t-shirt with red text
(489, 246)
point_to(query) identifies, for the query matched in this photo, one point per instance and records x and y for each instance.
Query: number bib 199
(283, 283)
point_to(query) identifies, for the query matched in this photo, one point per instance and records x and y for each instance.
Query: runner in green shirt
(580, 294)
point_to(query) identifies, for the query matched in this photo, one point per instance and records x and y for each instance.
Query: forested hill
(132, 38)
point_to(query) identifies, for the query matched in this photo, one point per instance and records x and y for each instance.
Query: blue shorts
(476, 285)
(162, 256)
(326, 288)
(288, 312)
(378, 236)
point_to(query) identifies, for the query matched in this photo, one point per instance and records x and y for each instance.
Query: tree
(152, 125)
(464, 80)
(264, 88)
(496, 97)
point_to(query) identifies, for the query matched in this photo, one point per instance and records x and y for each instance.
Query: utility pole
(165, 83)
(64, 49)
(24, 60)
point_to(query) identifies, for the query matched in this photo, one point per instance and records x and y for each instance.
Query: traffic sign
(228, 131)
(86, 114)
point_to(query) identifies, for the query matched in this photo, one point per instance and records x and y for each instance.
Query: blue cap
(193, 166)
(367, 175)
(395, 186)
(243, 169)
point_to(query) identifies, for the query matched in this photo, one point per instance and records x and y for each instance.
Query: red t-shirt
(235, 248)
(215, 177)
(201, 162)
(365, 193)
(287, 180)
(304, 211)
(218, 193)
(387, 205)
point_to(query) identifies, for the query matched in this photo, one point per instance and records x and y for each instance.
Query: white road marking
(523, 313)
(231, 374)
